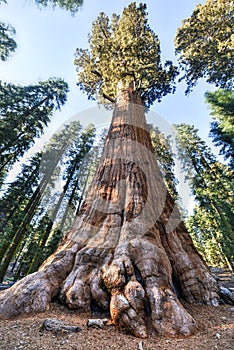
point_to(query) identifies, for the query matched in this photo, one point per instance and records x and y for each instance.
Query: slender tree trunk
(126, 245)
(7, 237)
(35, 262)
(28, 213)
(68, 206)
(17, 261)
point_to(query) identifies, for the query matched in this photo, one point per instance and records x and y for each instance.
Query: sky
(47, 40)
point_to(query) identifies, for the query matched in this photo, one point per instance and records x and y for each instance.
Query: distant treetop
(69, 5)
(8, 44)
(124, 49)
(205, 43)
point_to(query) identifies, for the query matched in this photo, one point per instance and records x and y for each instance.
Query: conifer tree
(165, 158)
(41, 176)
(212, 187)
(128, 240)
(24, 113)
(76, 154)
(69, 5)
(205, 44)
(208, 235)
(7, 32)
(14, 198)
(221, 103)
(7, 43)
(122, 51)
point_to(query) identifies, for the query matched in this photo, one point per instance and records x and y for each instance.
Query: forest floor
(215, 330)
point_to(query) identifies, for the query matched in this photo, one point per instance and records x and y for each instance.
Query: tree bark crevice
(125, 245)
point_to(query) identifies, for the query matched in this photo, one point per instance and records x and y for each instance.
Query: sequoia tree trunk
(127, 245)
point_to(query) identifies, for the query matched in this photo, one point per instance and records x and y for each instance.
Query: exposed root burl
(125, 245)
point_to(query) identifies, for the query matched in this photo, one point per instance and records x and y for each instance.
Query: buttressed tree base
(126, 246)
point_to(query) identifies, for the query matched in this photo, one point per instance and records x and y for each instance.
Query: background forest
(40, 201)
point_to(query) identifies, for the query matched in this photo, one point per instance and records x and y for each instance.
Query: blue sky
(47, 40)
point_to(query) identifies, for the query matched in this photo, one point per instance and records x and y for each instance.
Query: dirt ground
(215, 331)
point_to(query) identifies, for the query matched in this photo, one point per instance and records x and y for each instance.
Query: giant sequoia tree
(127, 244)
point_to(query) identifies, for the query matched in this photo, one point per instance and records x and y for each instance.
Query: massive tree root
(127, 247)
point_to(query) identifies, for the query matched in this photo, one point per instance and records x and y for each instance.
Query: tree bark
(127, 244)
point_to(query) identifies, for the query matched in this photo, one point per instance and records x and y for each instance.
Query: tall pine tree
(205, 44)
(14, 225)
(165, 157)
(212, 186)
(24, 113)
(221, 103)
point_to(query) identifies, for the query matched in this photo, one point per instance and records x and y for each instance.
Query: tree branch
(109, 98)
(104, 33)
(96, 73)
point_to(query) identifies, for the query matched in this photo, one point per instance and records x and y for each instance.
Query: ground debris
(56, 325)
(227, 297)
(140, 346)
(210, 320)
(97, 322)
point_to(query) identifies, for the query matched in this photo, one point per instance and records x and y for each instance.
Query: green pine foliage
(212, 186)
(68, 5)
(14, 200)
(204, 227)
(7, 32)
(165, 157)
(24, 113)
(32, 207)
(205, 44)
(7, 43)
(124, 51)
(221, 103)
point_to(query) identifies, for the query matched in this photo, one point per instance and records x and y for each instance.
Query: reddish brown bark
(127, 243)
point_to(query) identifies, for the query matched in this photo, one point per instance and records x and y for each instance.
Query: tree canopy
(7, 43)
(128, 243)
(69, 5)
(24, 112)
(221, 103)
(205, 42)
(32, 199)
(124, 50)
(212, 186)
(165, 157)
